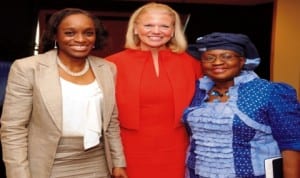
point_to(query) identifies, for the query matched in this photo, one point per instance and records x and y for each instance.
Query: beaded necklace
(74, 74)
(218, 96)
(217, 93)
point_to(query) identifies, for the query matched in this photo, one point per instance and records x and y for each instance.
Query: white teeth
(154, 37)
(80, 47)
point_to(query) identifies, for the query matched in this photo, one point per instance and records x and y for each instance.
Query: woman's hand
(119, 172)
(291, 163)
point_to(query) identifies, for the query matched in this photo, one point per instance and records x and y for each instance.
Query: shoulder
(184, 54)
(256, 85)
(188, 56)
(50, 55)
(269, 85)
(119, 55)
(96, 61)
(33, 62)
(269, 89)
(184, 58)
(283, 90)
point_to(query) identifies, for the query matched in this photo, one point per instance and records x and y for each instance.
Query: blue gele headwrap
(238, 43)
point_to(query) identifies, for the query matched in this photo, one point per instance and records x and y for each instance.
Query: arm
(119, 172)
(285, 119)
(14, 122)
(116, 147)
(291, 163)
(114, 140)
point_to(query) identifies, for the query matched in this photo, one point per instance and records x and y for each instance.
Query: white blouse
(82, 111)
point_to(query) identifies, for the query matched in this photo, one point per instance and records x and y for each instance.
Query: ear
(134, 29)
(55, 38)
(242, 62)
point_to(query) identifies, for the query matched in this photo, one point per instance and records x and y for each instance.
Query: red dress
(155, 143)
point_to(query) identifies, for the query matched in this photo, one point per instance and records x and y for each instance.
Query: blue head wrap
(238, 43)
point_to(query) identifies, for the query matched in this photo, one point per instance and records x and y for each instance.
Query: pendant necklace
(217, 93)
(74, 74)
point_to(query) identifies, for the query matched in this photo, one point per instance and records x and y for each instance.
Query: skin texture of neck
(155, 61)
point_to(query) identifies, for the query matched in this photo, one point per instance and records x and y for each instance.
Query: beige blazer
(31, 122)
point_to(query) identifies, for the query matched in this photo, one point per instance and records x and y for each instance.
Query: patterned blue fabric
(232, 139)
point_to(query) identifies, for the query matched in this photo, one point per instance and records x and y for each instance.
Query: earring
(55, 46)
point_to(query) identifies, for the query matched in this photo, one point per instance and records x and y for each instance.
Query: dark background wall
(18, 19)
(19, 23)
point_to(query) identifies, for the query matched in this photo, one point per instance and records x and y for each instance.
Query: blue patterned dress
(232, 139)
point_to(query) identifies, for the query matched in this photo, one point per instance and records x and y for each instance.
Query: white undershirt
(82, 111)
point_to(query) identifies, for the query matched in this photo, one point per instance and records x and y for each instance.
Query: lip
(80, 47)
(155, 38)
(218, 70)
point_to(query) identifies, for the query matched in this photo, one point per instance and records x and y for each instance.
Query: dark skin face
(76, 36)
(222, 66)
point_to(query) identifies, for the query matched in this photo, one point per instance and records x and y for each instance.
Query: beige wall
(285, 53)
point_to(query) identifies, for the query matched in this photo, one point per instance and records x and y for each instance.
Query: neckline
(76, 84)
(74, 74)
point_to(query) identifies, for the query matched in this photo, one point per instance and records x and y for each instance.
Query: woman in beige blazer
(59, 117)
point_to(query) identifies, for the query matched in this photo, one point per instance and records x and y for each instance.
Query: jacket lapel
(105, 81)
(48, 80)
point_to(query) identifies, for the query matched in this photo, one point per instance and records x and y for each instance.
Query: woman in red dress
(155, 83)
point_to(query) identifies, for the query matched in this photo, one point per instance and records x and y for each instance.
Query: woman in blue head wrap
(236, 119)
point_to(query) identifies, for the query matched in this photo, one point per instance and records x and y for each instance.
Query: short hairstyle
(177, 44)
(48, 37)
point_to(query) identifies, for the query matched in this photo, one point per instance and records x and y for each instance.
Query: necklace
(217, 93)
(74, 74)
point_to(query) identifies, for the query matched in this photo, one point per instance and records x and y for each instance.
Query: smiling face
(76, 36)
(222, 65)
(154, 29)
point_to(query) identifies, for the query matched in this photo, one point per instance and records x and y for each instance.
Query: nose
(156, 29)
(79, 37)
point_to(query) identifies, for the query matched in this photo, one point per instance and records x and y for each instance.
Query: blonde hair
(177, 44)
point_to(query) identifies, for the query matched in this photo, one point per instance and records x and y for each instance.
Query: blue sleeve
(284, 115)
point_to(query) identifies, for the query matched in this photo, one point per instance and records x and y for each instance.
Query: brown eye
(90, 33)
(209, 58)
(148, 26)
(69, 33)
(227, 57)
